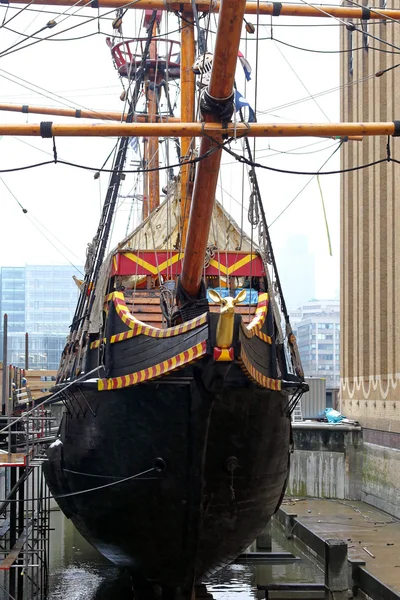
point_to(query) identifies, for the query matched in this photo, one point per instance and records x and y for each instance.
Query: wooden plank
(141, 294)
(147, 317)
(147, 309)
(141, 300)
(10, 559)
(127, 360)
(4, 526)
(15, 459)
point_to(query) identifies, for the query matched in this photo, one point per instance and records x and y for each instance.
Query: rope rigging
(97, 248)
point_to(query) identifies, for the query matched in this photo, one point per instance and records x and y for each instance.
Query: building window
(364, 27)
(350, 49)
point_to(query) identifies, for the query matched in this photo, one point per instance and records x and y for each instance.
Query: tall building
(318, 339)
(39, 300)
(296, 266)
(370, 259)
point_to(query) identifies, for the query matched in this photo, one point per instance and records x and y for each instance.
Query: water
(79, 572)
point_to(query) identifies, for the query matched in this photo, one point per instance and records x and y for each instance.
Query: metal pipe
(26, 351)
(252, 8)
(5, 370)
(198, 129)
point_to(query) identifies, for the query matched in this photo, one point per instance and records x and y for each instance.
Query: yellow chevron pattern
(154, 270)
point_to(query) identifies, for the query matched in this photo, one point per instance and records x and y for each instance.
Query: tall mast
(187, 116)
(152, 143)
(218, 96)
(145, 209)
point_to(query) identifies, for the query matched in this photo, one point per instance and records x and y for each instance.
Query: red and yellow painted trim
(258, 320)
(223, 354)
(162, 262)
(264, 337)
(252, 373)
(175, 362)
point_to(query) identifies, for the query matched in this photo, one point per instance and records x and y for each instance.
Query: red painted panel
(148, 262)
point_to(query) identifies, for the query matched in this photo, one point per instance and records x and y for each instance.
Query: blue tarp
(333, 416)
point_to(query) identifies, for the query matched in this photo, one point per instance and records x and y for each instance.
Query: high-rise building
(370, 258)
(39, 300)
(296, 266)
(318, 339)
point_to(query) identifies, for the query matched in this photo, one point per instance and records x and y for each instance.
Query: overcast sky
(67, 201)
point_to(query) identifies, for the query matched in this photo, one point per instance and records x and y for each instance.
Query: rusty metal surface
(362, 526)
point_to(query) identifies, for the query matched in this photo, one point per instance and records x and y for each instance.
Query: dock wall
(345, 462)
(381, 477)
(327, 461)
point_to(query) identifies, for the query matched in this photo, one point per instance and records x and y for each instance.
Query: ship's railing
(129, 53)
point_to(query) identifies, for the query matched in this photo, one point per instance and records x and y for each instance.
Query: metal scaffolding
(24, 506)
(25, 432)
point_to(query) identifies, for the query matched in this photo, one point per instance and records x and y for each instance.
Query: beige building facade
(370, 259)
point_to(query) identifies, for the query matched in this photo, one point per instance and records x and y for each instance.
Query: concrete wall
(337, 461)
(327, 461)
(381, 478)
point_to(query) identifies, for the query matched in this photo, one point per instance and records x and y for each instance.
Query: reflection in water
(79, 572)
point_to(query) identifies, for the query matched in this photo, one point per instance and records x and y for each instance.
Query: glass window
(364, 27)
(350, 49)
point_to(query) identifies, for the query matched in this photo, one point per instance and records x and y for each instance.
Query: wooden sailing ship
(190, 378)
(181, 369)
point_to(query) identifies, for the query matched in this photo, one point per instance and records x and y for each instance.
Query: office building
(370, 260)
(318, 339)
(39, 300)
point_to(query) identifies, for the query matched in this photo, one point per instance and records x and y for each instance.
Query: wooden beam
(252, 8)
(15, 551)
(84, 114)
(215, 130)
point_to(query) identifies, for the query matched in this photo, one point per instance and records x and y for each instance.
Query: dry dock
(372, 535)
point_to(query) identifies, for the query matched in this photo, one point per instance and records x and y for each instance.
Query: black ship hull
(219, 465)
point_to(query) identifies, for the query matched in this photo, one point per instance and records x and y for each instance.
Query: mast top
(128, 57)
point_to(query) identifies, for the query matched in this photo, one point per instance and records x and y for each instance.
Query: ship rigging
(181, 369)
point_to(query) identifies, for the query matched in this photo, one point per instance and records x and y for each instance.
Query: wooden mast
(252, 8)
(145, 207)
(220, 90)
(152, 143)
(187, 114)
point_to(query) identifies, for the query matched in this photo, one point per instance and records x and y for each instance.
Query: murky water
(79, 572)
